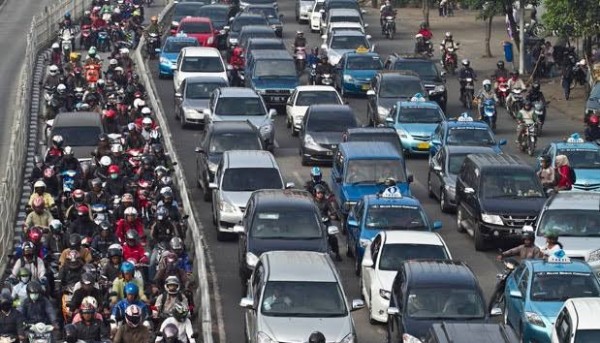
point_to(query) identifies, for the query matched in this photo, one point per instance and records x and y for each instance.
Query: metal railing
(40, 35)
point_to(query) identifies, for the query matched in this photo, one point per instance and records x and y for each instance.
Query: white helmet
(146, 111)
(147, 121)
(39, 184)
(119, 69)
(130, 211)
(448, 34)
(137, 103)
(61, 88)
(53, 69)
(487, 82)
(124, 51)
(418, 35)
(68, 150)
(55, 46)
(113, 62)
(117, 10)
(90, 301)
(165, 190)
(116, 148)
(105, 161)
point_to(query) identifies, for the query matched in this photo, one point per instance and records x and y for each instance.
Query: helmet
(162, 213)
(57, 140)
(68, 151)
(130, 211)
(172, 281)
(38, 203)
(74, 256)
(92, 51)
(132, 235)
(487, 84)
(124, 51)
(319, 189)
(593, 119)
(316, 337)
(146, 121)
(115, 250)
(83, 210)
(176, 243)
(131, 288)
(90, 301)
(127, 268)
(535, 86)
(170, 332)
(27, 247)
(133, 315)
(55, 46)
(466, 62)
(154, 18)
(166, 192)
(96, 183)
(527, 104)
(113, 62)
(146, 111)
(166, 181)
(24, 273)
(34, 234)
(74, 241)
(299, 33)
(179, 311)
(515, 73)
(34, 287)
(39, 184)
(87, 279)
(116, 148)
(87, 308)
(113, 169)
(53, 70)
(527, 234)
(418, 36)
(449, 35)
(138, 103)
(545, 158)
(127, 197)
(105, 161)
(500, 64)
(551, 235)
(315, 174)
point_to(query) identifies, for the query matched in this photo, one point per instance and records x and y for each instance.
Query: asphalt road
(224, 254)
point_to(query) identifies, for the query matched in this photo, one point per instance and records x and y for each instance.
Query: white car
(198, 61)
(315, 16)
(382, 259)
(578, 321)
(304, 96)
(340, 42)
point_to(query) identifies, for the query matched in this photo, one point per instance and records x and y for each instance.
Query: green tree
(576, 18)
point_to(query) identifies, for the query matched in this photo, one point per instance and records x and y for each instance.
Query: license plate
(330, 153)
(278, 98)
(366, 87)
(423, 146)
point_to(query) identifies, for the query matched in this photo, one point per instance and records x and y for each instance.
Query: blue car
(537, 289)
(584, 158)
(464, 131)
(389, 210)
(356, 70)
(168, 54)
(415, 122)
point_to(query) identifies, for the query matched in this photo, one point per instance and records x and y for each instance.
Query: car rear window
(78, 135)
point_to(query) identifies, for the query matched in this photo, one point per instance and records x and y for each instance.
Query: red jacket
(137, 253)
(564, 181)
(123, 226)
(427, 35)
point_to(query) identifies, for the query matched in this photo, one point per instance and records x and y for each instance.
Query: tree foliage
(575, 18)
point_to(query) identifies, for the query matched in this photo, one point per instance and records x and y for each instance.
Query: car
(342, 15)
(304, 96)
(239, 103)
(238, 22)
(351, 4)
(256, 44)
(373, 134)
(316, 299)
(316, 16)
(246, 3)
(415, 122)
(198, 61)
(383, 255)
(355, 70)
(496, 195)
(272, 74)
(191, 100)
(254, 31)
(279, 220)
(377, 161)
(219, 137)
(183, 10)
(444, 167)
(80, 131)
(386, 89)
(342, 26)
(167, 61)
(321, 131)
(577, 321)
(343, 41)
(432, 291)
(240, 173)
(445, 332)
(464, 131)
(303, 10)
(272, 15)
(433, 79)
(537, 289)
(219, 16)
(575, 217)
(592, 105)
(389, 211)
(584, 158)
(200, 28)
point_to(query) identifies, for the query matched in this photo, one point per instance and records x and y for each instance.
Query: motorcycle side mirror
(226, 27)
(178, 95)
(322, 11)
(368, 36)
(443, 74)
(185, 217)
(363, 11)
(410, 178)
(157, 50)
(370, 92)
(229, 67)
(332, 230)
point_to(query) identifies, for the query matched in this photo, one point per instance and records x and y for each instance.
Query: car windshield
(470, 136)
(441, 303)
(426, 70)
(582, 158)
(275, 69)
(572, 222)
(205, 64)
(78, 135)
(498, 183)
(195, 27)
(420, 115)
(244, 37)
(348, 42)
(392, 255)
(247, 20)
(587, 336)
(563, 285)
(364, 63)
(344, 19)
(240, 107)
(331, 122)
(201, 90)
(343, 4)
(455, 162)
(374, 171)
(266, 46)
(287, 223)
(175, 46)
(268, 12)
(303, 299)
(399, 88)
(251, 179)
(307, 98)
(396, 217)
(234, 141)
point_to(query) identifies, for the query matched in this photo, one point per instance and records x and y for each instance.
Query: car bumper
(317, 155)
(166, 69)
(379, 307)
(499, 231)
(413, 146)
(228, 220)
(304, 15)
(275, 99)
(315, 24)
(357, 87)
(536, 334)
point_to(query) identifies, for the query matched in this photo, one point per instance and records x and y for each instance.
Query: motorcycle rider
(127, 285)
(168, 202)
(535, 94)
(299, 40)
(115, 256)
(486, 93)
(90, 328)
(161, 158)
(39, 191)
(56, 56)
(180, 319)
(527, 250)
(316, 178)
(386, 10)
(465, 72)
(101, 170)
(126, 202)
(327, 211)
(168, 299)
(421, 46)
(103, 148)
(97, 195)
(525, 117)
(69, 162)
(74, 244)
(592, 131)
(55, 153)
(104, 240)
(78, 197)
(323, 67)
(552, 243)
(11, 320)
(39, 216)
(69, 273)
(36, 308)
(117, 183)
(546, 172)
(316, 337)
(500, 71)
(170, 334)
(19, 291)
(133, 249)
(174, 258)
(83, 225)
(31, 261)
(154, 27)
(447, 43)
(133, 331)
(92, 58)
(131, 221)
(425, 32)
(53, 77)
(515, 82)
(88, 289)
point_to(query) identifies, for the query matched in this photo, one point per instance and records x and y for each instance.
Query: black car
(219, 15)
(471, 332)
(220, 137)
(238, 22)
(191, 100)
(387, 88)
(373, 134)
(496, 195)
(272, 15)
(321, 131)
(279, 220)
(433, 79)
(428, 292)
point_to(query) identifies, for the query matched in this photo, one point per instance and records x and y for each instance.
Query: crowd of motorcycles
(103, 254)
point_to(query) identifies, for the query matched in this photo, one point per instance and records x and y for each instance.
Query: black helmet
(70, 333)
(319, 189)
(500, 64)
(316, 337)
(551, 235)
(87, 279)
(75, 241)
(545, 158)
(535, 86)
(34, 287)
(389, 182)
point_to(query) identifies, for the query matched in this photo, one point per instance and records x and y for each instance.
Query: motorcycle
(66, 43)
(152, 47)
(52, 104)
(300, 58)
(39, 333)
(312, 76)
(92, 72)
(497, 301)
(326, 80)
(100, 214)
(103, 40)
(7, 339)
(468, 93)
(489, 113)
(502, 90)
(528, 138)
(517, 103)
(86, 36)
(540, 111)
(389, 27)
(449, 60)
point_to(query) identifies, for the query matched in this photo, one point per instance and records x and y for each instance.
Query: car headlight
(384, 294)
(251, 259)
(233, 40)
(212, 167)
(439, 89)
(310, 142)
(264, 338)
(261, 91)
(227, 207)
(535, 319)
(382, 111)
(594, 256)
(348, 205)
(491, 219)
(402, 133)
(406, 338)
(189, 111)
(348, 78)
(349, 339)
(164, 60)
(364, 242)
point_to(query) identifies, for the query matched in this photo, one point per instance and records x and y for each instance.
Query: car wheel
(429, 188)
(182, 122)
(357, 266)
(207, 194)
(371, 320)
(459, 219)
(288, 123)
(480, 243)
(444, 202)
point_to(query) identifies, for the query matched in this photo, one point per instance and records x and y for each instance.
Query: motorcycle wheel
(390, 34)
(530, 147)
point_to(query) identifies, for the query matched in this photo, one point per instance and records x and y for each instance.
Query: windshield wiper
(362, 182)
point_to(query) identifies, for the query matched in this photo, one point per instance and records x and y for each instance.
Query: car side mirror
(368, 36)
(213, 185)
(352, 222)
(437, 225)
(410, 178)
(363, 12)
(515, 293)
(199, 150)
(247, 303)
(178, 95)
(281, 16)
(332, 230)
(324, 37)
(443, 75)
(272, 113)
(370, 93)
(367, 262)
(502, 142)
(322, 11)
(239, 229)
(366, 25)
(290, 185)
(357, 304)
(496, 311)
(469, 190)
(393, 311)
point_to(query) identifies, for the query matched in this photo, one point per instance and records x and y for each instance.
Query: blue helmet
(131, 288)
(315, 174)
(127, 267)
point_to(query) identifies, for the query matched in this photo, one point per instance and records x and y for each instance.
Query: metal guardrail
(41, 33)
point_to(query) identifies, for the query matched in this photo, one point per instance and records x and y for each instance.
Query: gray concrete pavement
(224, 254)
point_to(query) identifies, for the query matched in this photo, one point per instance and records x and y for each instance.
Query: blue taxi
(388, 210)
(168, 54)
(584, 158)
(415, 122)
(356, 70)
(464, 131)
(537, 289)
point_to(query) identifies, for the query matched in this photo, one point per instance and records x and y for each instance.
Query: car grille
(277, 91)
(421, 138)
(518, 221)
(329, 146)
(587, 186)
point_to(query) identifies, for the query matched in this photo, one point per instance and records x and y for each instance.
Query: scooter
(540, 111)
(498, 301)
(517, 103)
(449, 60)
(300, 58)
(86, 36)
(39, 333)
(103, 41)
(326, 80)
(528, 139)
(152, 47)
(389, 27)
(502, 90)
(467, 98)
(489, 113)
(312, 76)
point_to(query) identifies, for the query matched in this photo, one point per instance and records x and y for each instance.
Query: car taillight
(210, 40)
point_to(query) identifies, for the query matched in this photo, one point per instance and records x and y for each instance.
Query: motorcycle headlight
(309, 141)
(594, 256)
(348, 78)
(364, 242)
(212, 167)
(535, 319)
(406, 338)
(382, 111)
(227, 207)
(491, 219)
(264, 338)
(439, 89)
(384, 294)
(349, 339)
(251, 259)
(233, 40)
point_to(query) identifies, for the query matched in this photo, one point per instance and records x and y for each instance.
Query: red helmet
(113, 169)
(38, 203)
(34, 234)
(82, 209)
(110, 113)
(594, 119)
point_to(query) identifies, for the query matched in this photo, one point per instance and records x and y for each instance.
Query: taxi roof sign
(181, 34)
(391, 192)
(575, 138)
(464, 117)
(418, 98)
(558, 257)
(361, 49)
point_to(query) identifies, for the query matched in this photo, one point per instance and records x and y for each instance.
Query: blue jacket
(118, 311)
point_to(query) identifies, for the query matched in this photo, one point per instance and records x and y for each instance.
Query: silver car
(191, 100)
(293, 293)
